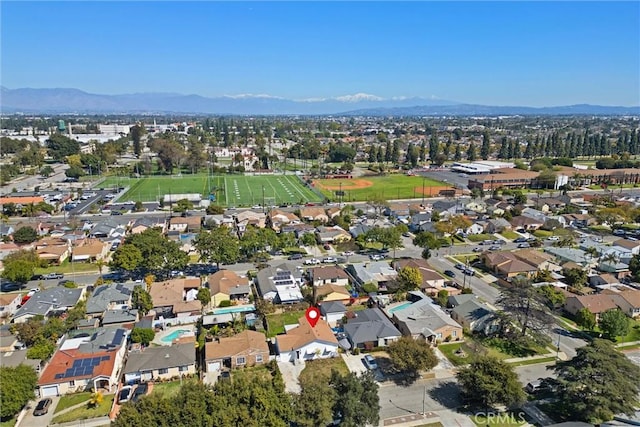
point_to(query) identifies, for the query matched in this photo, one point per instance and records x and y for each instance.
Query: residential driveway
(354, 362)
(290, 374)
(44, 420)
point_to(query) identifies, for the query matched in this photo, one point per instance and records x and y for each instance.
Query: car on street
(469, 272)
(52, 276)
(460, 266)
(494, 248)
(520, 240)
(376, 257)
(450, 273)
(125, 394)
(524, 245)
(329, 260)
(348, 253)
(295, 256)
(553, 238)
(477, 249)
(140, 391)
(311, 261)
(43, 407)
(370, 362)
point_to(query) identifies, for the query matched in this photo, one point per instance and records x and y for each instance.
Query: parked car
(311, 261)
(43, 407)
(140, 391)
(348, 253)
(52, 276)
(376, 257)
(370, 362)
(295, 256)
(494, 248)
(125, 394)
(520, 240)
(329, 260)
(9, 287)
(460, 266)
(469, 272)
(524, 245)
(450, 273)
(477, 249)
(553, 238)
(225, 376)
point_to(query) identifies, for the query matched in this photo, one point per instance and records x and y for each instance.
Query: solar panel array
(283, 278)
(82, 367)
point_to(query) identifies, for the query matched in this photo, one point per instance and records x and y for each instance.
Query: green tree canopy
(488, 381)
(586, 319)
(60, 146)
(18, 385)
(127, 257)
(614, 323)
(158, 252)
(598, 383)
(25, 235)
(142, 335)
(141, 300)
(409, 279)
(411, 356)
(217, 246)
(358, 403)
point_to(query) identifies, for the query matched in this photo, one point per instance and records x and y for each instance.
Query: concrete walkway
(290, 374)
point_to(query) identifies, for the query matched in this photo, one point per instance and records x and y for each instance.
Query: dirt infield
(435, 191)
(354, 184)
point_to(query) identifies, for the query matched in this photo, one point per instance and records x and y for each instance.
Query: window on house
(334, 280)
(439, 335)
(183, 368)
(454, 333)
(72, 383)
(163, 371)
(240, 361)
(259, 358)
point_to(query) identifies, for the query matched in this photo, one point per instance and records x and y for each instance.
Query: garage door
(49, 391)
(213, 366)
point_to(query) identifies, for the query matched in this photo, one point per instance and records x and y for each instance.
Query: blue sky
(496, 53)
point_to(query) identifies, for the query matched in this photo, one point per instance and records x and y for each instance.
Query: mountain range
(75, 101)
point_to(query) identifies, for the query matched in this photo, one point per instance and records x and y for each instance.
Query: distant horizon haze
(536, 54)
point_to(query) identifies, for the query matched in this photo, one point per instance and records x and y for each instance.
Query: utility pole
(423, 191)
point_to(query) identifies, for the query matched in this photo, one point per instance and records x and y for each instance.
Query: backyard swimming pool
(400, 307)
(174, 335)
(238, 309)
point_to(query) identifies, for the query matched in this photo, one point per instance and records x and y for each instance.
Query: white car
(553, 238)
(125, 394)
(370, 362)
(348, 253)
(311, 261)
(330, 260)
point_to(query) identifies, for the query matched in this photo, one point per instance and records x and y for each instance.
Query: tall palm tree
(100, 264)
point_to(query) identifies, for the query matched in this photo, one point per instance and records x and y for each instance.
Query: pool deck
(158, 338)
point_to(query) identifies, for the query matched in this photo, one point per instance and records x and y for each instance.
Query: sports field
(229, 190)
(388, 187)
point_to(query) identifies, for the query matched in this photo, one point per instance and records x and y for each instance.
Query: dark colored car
(116, 213)
(450, 273)
(295, 256)
(43, 407)
(9, 287)
(140, 391)
(520, 240)
(37, 277)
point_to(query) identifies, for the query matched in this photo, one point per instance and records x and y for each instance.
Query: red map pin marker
(313, 315)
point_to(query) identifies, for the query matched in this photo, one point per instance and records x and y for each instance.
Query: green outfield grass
(230, 190)
(388, 187)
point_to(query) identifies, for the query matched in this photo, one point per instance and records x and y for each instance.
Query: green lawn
(480, 237)
(546, 360)
(397, 186)
(543, 234)
(70, 400)
(473, 346)
(511, 235)
(323, 368)
(166, 389)
(9, 423)
(634, 332)
(229, 190)
(66, 267)
(277, 321)
(84, 412)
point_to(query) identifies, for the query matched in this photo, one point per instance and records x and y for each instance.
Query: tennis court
(228, 190)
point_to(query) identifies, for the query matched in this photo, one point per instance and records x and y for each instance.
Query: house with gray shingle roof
(370, 328)
(120, 317)
(425, 320)
(475, 316)
(48, 302)
(109, 297)
(160, 363)
(378, 273)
